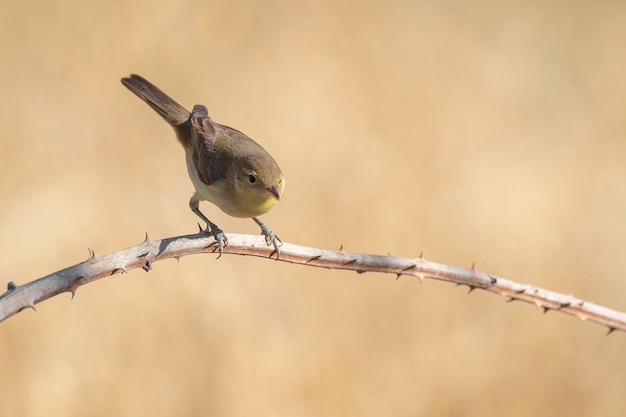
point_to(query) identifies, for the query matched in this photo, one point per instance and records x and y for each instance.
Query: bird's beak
(274, 192)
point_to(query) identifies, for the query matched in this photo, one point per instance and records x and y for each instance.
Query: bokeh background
(478, 131)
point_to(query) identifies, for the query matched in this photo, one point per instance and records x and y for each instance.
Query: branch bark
(144, 255)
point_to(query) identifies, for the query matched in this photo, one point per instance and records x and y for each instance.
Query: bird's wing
(209, 157)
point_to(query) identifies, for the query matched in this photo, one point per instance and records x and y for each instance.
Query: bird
(226, 167)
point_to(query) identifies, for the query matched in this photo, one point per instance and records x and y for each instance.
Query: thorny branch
(144, 255)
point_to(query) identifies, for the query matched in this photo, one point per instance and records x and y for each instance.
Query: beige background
(474, 131)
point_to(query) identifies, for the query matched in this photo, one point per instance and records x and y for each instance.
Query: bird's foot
(218, 235)
(270, 237)
(211, 228)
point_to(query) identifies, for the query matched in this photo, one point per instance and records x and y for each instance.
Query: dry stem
(148, 252)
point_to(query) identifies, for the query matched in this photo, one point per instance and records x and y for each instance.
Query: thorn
(422, 255)
(31, 305)
(315, 258)
(360, 271)
(492, 280)
(471, 288)
(92, 254)
(611, 330)
(388, 253)
(350, 262)
(473, 268)
(177, 258)
(121, 270)
(398, 275)
(341, 251)
(508, 299)
(421, 277)
(201, 229)
(147, 267)
(11, 286)
(73, 292)
(545, 309)
(147, 239)
(408, 267)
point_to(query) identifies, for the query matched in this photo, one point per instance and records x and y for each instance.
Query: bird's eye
(251, 179)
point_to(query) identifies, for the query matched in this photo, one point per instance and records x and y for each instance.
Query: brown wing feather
(208, 155)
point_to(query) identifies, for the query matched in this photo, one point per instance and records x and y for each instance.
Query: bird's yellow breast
(236, 202)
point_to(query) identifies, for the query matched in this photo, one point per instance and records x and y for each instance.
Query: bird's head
(259, 184)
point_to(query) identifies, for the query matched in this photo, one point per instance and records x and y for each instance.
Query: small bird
(227, 168)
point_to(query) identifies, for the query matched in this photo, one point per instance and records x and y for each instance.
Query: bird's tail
(172, 112)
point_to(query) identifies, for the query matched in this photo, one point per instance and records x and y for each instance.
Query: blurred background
(483, 131)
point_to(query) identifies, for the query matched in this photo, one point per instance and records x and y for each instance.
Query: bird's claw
(272, 239)
(220, 238)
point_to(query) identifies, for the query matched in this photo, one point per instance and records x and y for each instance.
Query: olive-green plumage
(227, 168)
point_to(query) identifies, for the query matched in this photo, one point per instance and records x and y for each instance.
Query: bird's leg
(270, 237)
(211, 227)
